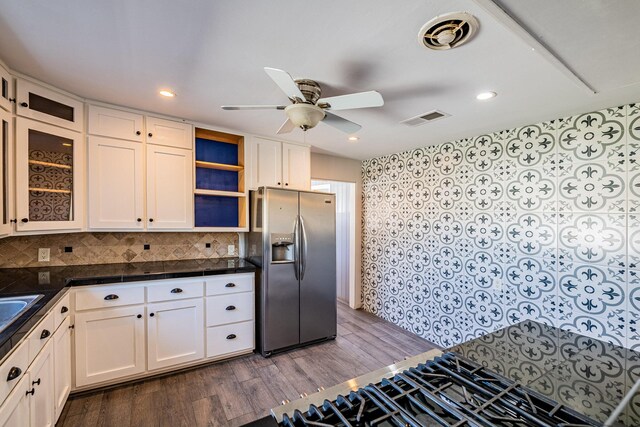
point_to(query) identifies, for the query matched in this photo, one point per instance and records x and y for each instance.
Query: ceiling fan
(308, 109)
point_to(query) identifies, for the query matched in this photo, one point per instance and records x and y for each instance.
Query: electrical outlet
(43, 254)
(497, 284)
(43, 278)
(231, 249)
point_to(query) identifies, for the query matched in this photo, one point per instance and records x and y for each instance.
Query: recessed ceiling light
(486, 95)
(353, 138)
(167, 93)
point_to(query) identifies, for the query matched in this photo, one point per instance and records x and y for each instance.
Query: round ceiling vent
(448, 31)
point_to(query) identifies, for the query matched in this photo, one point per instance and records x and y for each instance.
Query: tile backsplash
(539, 222)
(108, 248)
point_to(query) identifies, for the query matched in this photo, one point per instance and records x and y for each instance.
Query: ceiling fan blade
(339, 123)
(286, 127)
(354, 100)
(285, 82)
(253, 107)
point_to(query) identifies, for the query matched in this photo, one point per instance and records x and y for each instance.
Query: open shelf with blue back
(220, 199)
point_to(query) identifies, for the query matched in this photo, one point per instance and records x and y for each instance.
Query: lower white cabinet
(227, 339)
(175, 332)
(15, 410)
(110, 344)
(62, 366)
(41, 398)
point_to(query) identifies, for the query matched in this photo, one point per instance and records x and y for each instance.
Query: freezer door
(317, 266)
(280, 302)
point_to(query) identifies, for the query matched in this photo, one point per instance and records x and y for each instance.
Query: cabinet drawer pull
(231, 336)
(36, 382)
(64, 309)
(14, 373)
(31, 392)
(230, 285)
(25, 220)
(176, 291)
(111, 297)
(45, 334)
(151, 314)
(24, 104)
(138, 132)
(231, 308)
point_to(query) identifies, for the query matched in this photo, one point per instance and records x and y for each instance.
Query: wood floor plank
(234, 392)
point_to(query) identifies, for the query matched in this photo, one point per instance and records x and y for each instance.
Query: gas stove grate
(446, 391)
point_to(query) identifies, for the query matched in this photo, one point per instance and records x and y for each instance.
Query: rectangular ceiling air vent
(427, 117)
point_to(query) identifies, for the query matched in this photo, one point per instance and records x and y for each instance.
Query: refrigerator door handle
(296, 248)
(303, 249)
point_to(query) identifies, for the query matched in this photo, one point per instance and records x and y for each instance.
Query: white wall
(348, 170)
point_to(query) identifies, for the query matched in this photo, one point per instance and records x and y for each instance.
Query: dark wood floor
(238, 391)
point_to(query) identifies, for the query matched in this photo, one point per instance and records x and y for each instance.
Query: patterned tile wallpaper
(540, 222)
(108, 248)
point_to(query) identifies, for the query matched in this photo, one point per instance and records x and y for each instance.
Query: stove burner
(447, 391)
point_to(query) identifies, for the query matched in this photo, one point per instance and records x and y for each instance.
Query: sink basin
(12, 307)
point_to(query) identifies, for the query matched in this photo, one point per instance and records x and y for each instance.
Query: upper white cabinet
(39, 103)
(169, 133)
(49, 174)
(115, 123)
(169, 188)
(279, 164)
(6, 150)
(116, 184)
(296, 167)
(6, 89)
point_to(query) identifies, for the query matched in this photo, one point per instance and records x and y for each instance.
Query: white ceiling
(213, 53)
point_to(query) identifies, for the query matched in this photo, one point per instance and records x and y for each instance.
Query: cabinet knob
(152, 314)
(24, 104)
(176, 291)
(230, 285)
(36, 382)
(111, 297)
(64, 309)
(14, 373)
(72, 326)
(230, 308)
(31, 392)
(14, 221)
(45, 334)
(150, 134)
(231, 336)
(25, 220)
(139, 219)
(139, 316)
(138, 132)
(286, 183)
(150, 219)
(278, 183)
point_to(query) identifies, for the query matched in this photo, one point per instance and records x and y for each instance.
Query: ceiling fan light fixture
(305, 116)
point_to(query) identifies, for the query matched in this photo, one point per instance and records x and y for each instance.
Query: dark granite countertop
(53, 283)
(585, 374)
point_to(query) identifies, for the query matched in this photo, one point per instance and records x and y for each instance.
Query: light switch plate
(43, 254)
(231, 249)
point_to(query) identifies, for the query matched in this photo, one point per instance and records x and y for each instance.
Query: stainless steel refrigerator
(292, 239)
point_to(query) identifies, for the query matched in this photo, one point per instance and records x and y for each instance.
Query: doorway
(345, 234)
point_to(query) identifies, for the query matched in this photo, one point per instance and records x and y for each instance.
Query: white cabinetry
(62, 366)
(6, 172)
(49, 177)
(41, 404)
(39, 103)
(169, 188)
(15, 410)
(109, 344)
(169, 133)
(115, 123)
(6, 89)
(279, 164)
(175, 332)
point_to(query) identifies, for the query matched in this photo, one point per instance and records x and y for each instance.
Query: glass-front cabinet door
(5, 172)
(39, 103)
(6, 89)
(48, 165)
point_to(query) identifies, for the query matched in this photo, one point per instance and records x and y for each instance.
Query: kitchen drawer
(108, 296)
(40, 335)
(229, 283)
(230, 338)
(223, 309)
(61, 311)
(174, 290)
(16, 365)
